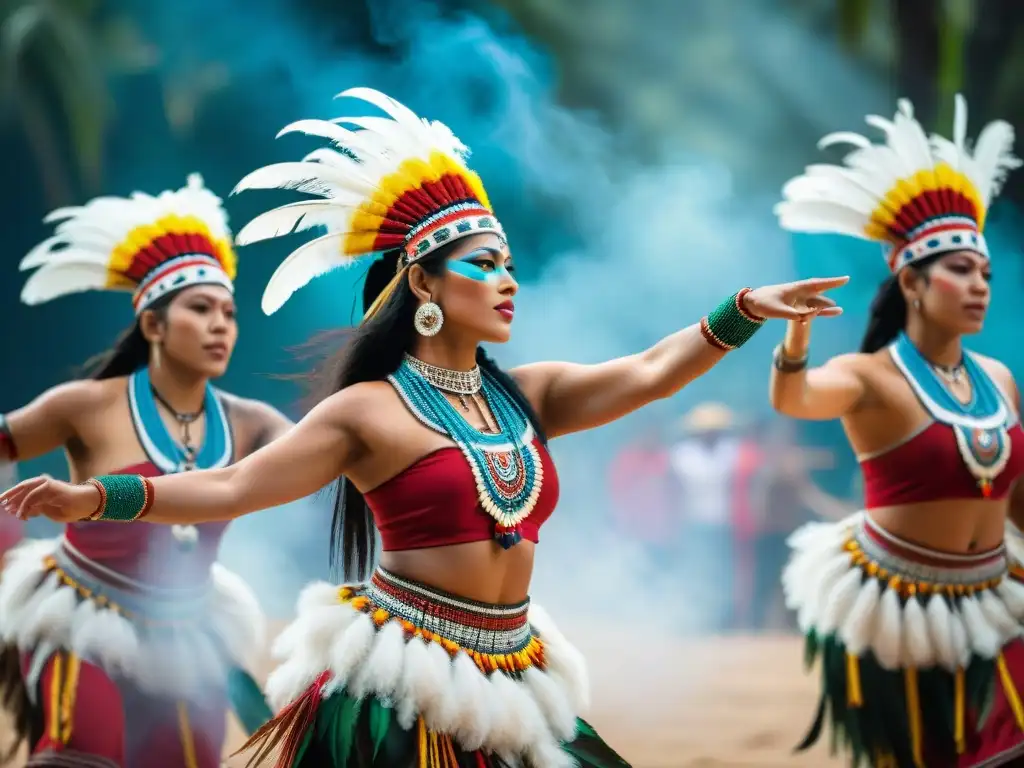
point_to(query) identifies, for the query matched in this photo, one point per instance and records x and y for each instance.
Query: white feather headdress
(143, 244)
(919, 196)
(396, 182)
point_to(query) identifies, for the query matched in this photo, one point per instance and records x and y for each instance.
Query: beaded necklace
(165, 452)
(506, 465)
(980, 425)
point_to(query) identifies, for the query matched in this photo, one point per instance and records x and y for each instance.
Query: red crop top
(928, 467)
(434, 503)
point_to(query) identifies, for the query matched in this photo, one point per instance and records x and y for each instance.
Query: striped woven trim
(68, 758)
(472, 626)
(914, 568)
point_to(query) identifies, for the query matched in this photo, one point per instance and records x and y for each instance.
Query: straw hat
(708, 417)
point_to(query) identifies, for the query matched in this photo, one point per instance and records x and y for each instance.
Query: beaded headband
(916, 195)
(390, 183)
(150, 246)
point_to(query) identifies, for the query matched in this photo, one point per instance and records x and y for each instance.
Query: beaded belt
(911, 568)
(121, 594)
(472, 626)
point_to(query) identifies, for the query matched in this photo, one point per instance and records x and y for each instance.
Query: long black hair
(371, 352)
(130, 351)
(888, 313)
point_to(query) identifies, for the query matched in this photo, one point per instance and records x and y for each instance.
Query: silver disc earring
(917, 304)
(428, 319)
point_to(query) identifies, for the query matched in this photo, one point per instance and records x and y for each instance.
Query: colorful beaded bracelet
(8, 451)
(123, 498)
(730, 325)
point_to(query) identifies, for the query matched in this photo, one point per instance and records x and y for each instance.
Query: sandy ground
(718, 703)
(713, 703)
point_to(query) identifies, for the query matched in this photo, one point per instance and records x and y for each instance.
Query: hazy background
(632, 149)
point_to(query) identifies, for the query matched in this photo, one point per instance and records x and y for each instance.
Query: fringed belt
(128, 597)
(497, 637)
(909, 638)
(912, 569)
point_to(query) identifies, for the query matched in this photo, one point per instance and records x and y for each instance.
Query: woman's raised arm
(310, 455)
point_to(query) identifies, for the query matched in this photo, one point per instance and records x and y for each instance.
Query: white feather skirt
(166, 642)
(502, 679)
(907, 635)
(853, 579)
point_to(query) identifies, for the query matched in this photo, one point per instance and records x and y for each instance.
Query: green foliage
(55, 59)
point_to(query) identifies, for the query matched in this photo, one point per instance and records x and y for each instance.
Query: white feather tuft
(294, 217)
(370, 162)
(309, 261)
(77, 257)
(847, 199)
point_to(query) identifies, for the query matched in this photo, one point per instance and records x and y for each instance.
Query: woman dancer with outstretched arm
(124, 644)
(912, 606)
(439, 658)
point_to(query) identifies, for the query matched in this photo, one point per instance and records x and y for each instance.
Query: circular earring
(917, 304)
(428, 319)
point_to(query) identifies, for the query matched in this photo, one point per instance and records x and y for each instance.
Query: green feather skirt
(907, 717)
(364, 733)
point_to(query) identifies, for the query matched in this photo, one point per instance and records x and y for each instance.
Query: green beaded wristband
(729, 325)
(123, 498)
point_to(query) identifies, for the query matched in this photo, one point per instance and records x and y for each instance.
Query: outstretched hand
(55, 499)
(800, 301)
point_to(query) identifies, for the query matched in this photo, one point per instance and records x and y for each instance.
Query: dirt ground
(723, 703)
(718, 703)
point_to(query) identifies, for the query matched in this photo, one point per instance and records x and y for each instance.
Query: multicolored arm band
(8, 450)
(729, 325)
(123, 498)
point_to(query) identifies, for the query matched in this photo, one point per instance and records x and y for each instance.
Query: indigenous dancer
(123, 642)
(439, 659)
(908, 604)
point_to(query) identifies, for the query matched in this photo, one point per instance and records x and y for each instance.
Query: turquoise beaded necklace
(980, 426)
(506, 466)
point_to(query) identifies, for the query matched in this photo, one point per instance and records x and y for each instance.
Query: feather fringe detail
(521, 716)
(40, 613)
(834, 593)
(910, 667)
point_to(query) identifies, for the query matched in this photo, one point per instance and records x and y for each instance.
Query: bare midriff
(479, 570)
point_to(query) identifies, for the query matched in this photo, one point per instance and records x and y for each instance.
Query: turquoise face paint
(466, 268)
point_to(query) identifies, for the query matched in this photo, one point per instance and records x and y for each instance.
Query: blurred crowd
(712, 499)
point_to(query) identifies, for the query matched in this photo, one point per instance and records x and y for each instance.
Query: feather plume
(294, 217)
(377, 181)
(93, 244)
(888, 190)
(312, 178)
(994, 158)
(309, 261)
(63, 279)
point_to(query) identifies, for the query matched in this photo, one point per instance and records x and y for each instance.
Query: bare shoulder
(250, 410)
(999, 372)
(859, 364)
(359, 404)
(254, 422)
(87, 394)
(533, 378)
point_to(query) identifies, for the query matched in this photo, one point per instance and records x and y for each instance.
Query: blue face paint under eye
(476, 272)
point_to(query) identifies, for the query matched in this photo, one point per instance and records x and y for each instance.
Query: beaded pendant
(506, 466)
(980, 426)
